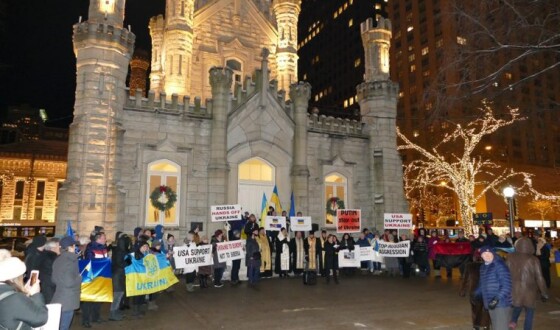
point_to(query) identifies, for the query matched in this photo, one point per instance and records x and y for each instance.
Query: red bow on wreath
(162, 189)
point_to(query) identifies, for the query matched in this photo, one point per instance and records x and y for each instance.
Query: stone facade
(122, 148)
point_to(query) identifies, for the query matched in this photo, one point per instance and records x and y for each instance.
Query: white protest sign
(220, 213)
(366, 253)
(231, 250)
(400, 249)
(347, 258)
(300, 223)
(397, 221)
(192, 256)
(272, 223)
(53, 321)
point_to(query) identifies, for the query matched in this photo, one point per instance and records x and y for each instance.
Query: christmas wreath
(333, 204)
(163, 198)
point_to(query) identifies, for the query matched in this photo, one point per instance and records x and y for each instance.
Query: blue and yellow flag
(97, 284)
(292, 206)
(150, 274)
(275, 199)
(264, 209)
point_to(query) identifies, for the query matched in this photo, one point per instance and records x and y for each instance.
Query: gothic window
(237, 69)
(336, 193)
(256, 169)
(168, 174)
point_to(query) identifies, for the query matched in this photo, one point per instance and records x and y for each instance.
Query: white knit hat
(11, 268)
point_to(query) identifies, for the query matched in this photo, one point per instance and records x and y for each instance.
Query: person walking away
(469, 283)
(495, 288)
(96, 249)
(51, 252)
(543, 253)
(66, 276)
(253, 257)
(218, 266)
(527, 281)
(21, 306)
(331, 259)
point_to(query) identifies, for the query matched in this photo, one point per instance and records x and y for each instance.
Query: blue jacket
(495, 281)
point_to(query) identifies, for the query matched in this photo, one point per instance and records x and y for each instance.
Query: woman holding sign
(331, 258)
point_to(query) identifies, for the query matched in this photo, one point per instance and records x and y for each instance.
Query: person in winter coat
(235, 264)
(347, 243)
(219, 267)
(142, 250)
(495, 288)
(66, 276)
(331, 258)
(543, 253)
(405, 262)
(52, 250)
(158, 231)
(119, 260)
(21, 307)
(420, 249)
(253, 257)
(204, 272)
(527, 281)
(432, 241)
(34, 254)
(364, 242)
(282, 257)
(96, 249)
(469, 283)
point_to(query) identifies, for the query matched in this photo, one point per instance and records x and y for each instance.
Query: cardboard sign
(348, 221)
(366, 253)
(300, 223)
(274, 223)
(400, 249)
(347, 258)
(231, 250)
(397, 221)
(192, 256)
(220, 213)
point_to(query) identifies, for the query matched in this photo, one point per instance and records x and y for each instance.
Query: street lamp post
(508, 193)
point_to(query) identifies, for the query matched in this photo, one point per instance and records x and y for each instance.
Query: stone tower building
(243, 140)
(139, 71)
(195, 36)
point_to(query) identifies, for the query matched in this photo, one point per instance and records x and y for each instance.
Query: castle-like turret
(377, 96)
(286, 12)
(103, 49)
(139, 71)
(157, 26)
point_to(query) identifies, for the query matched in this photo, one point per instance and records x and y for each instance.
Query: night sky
(37, 63)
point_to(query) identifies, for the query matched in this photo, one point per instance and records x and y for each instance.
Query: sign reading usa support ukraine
(150, 274)
(300, 223)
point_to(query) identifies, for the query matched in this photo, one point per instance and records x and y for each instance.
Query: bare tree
(542, 207)
(464, 170)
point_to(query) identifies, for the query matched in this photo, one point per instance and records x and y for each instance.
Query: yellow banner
(149, 275)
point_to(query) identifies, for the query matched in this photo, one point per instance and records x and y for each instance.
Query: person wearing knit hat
(67, 279)
(22, 307)
(34, 254)
(495, 288)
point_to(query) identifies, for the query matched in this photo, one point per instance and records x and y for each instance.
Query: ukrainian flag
(264, 209)
(292, 206)
(150, 274)
(97, 284)
(275, 199)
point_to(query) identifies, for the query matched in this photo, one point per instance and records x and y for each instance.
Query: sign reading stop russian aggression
(232, 250)
(348, 221)
(300, 223)
(397, 220)
(225, 212)
(192, 256)
(400, 249)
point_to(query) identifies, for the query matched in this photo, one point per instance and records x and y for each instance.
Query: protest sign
(347, 258)
(192, 256)
(397, 221)
(220, 213)
(348, 221)
(300, 223)
(272, 223)
(231, 250)
(400, 249)
(148, 275)
(366, 253)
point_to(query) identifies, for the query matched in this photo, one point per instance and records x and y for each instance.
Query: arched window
(255, 178)
(237, 69)
(163, 173)
(336, 193)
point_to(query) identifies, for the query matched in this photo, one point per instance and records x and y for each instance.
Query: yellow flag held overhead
(264, 209)
(274, 199)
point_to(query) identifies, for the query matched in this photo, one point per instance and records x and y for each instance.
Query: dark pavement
(362, 301)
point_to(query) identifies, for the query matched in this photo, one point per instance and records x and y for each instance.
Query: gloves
(544, 297)
(493, 303)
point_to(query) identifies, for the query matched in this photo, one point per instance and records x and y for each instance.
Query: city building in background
(32, 169)
(438, 91)
(331, 56)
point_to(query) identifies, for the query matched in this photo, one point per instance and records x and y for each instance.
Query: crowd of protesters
(498, 290)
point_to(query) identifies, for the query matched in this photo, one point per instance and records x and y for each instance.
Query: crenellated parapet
(374, 89)
(337, 126)
(104, 33)
(168, 105)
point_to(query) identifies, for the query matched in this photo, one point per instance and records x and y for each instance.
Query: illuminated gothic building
(224, 123)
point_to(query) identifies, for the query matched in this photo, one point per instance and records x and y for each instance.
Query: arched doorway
(256, 176)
